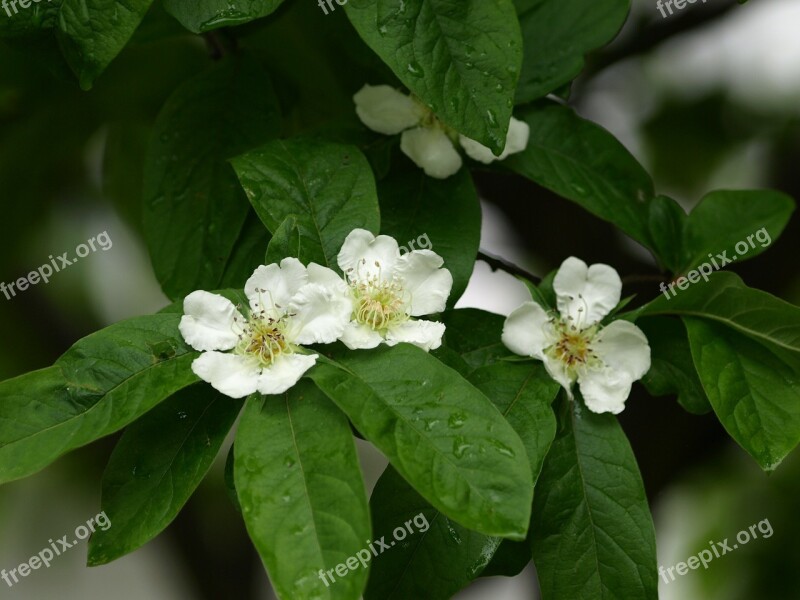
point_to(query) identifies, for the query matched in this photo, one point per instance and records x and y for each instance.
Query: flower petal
(432, 150)
(558, 371)
(516, 141)
(586, 294)
(210, 322)
(275, 284)
(233, 375)
(360, 337)
(425, 281)
(623, 347)
(424, 334)
(284, 372)
(364, 256)
(528, 331)
(385, 110)
(605, 390)
(320, 314)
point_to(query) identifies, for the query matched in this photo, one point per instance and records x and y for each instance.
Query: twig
(497, 263)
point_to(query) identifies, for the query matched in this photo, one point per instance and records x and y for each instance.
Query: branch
(501, 264)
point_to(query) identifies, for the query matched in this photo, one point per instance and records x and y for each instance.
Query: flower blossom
(605, 361)
(290, 306)
(386, 289)
(425, 139)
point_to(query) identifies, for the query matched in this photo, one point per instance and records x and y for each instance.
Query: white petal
(360, 337)
(605, 390)
(425, 281)
(284, 372)
(425, 334)
(320, 314)
(326, 277)
(558, 371)
(385, 110)
(587, 294)
(432, 150)
(623, 347)
(274, 285)
(517, 141)
(233, 375)
(528, 331)
(210, 322)
(363, 255)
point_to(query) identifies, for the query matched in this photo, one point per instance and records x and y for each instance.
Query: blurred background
(708, 98)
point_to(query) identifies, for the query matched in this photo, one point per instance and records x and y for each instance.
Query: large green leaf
(672, 370)
(440, 433)
(461, 57)
(101, 384)
(432, 564)
(557, 35)
(302, 496)
(443, 215)
(475, 336)
(327, 187)
(194, 210)
(157, 464)
(204, 15)
(583, 162)
(746, 347)
(592, 533)
(90, 33)
(738, 224)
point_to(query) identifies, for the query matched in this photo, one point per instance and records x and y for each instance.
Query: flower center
(379, 304)
(573, 347)
(263, 338)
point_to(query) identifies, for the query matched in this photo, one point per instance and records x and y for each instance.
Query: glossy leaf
(461, 57)
(443, 215)
(440, 433)
(157, 464)
(328, 188)
(194, 210)
(592, 533)
(204, 15)
(583, 162)
(302, 496)
(103, 383)
(557, 35)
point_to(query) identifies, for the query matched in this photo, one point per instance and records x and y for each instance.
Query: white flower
(605, 361)
(290, 305)
(386, 289)
(426, 140)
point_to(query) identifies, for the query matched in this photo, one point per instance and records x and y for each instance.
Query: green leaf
(583, 162)
(194, 210)
(204, 15)
(443, 215)
(745, 345)
(666, 223)
(285, 243)
(301, 492)
(438, 559)
(247, 253)
(672, 371)
(557, 35)
(327, 187)
(473, 334)
(156, 466)
(739, 224)
(101, 384)
(440, 433)
(592, 533)
(461, 57)
(90, 33)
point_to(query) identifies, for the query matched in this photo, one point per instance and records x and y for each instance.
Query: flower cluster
(425, 139)
(291, 306)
